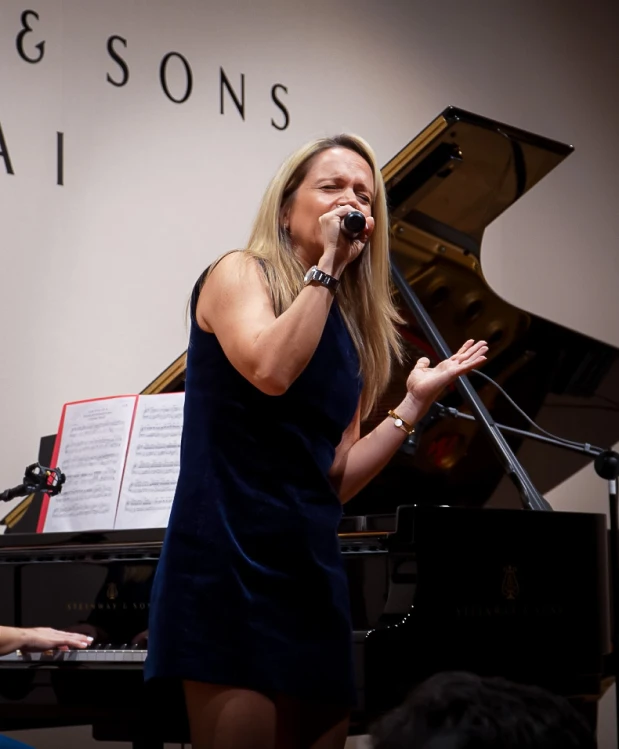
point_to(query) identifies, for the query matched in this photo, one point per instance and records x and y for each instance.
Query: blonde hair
(364, 294)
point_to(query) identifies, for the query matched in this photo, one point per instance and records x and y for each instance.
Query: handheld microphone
(353, 223)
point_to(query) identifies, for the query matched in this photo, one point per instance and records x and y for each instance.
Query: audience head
(464, 711)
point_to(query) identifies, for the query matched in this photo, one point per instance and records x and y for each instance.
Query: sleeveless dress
(250, 589)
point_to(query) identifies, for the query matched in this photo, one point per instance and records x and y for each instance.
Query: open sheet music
(152, 464)
(120, 456)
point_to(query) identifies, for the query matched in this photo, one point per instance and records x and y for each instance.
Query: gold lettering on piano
(510, 587)
(510, 610)
(115, 606)
(112, 591)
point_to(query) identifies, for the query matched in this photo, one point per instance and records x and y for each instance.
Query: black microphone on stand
(353, 223)
(37, 478)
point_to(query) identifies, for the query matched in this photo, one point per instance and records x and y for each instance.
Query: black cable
(526, 416)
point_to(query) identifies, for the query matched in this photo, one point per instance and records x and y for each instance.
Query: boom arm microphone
(36, 478)
(353, 223)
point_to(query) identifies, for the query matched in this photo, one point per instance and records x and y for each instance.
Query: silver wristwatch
(315, 274)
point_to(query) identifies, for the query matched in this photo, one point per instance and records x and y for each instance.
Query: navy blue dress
(250, 589)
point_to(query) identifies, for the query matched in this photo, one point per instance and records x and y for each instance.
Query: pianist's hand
(425, 383)
(96, 634)
(141, 640)
(38, 639)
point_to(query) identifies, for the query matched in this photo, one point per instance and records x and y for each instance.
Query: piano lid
(462, 172)
(444, 188)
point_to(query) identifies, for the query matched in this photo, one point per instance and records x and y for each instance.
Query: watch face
(310, 274)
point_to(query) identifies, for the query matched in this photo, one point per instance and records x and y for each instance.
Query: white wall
(95, 274)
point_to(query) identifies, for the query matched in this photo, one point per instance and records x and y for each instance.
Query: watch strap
(315, 274)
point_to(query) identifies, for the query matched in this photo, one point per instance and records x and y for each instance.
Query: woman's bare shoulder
(232, 266)
(234, 277)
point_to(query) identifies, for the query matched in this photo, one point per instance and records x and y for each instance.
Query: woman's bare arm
(269, 351)
(357, 461)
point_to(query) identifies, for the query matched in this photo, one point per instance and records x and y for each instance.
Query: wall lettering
(164, 83)
(19, 41)
(60, 158)
(4, 153)
(119, 60)
(226, 89)
(281, 106)
(225, 83)
(31, 49)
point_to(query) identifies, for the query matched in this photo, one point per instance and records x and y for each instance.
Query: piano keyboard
(96, 656)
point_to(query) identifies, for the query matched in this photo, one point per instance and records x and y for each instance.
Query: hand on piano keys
(140, 640)
(98, 656)
(41, 639)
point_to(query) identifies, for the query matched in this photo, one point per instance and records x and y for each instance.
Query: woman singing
(291, 343)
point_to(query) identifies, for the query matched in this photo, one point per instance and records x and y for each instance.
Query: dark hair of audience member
(464, 711)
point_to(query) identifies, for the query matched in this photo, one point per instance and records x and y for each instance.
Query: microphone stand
(529, 495)
(36, 478)
(606, 466)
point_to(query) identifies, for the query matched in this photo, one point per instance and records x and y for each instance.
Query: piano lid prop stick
(529, 495)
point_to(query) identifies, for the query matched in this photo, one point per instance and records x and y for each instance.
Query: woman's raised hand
(425, 383)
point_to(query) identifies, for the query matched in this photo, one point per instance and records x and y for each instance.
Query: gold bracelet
(401, 424)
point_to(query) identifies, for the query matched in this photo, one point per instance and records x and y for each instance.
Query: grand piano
(447, 569)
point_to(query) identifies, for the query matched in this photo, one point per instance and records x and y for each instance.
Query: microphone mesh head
(354, 222)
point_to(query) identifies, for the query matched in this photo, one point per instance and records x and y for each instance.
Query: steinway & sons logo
(510, 587)
(31, 47)
(111, 603)
(513, 607)
(112, 592)
(108, 606)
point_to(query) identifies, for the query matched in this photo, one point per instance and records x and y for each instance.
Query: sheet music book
(121, 457)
